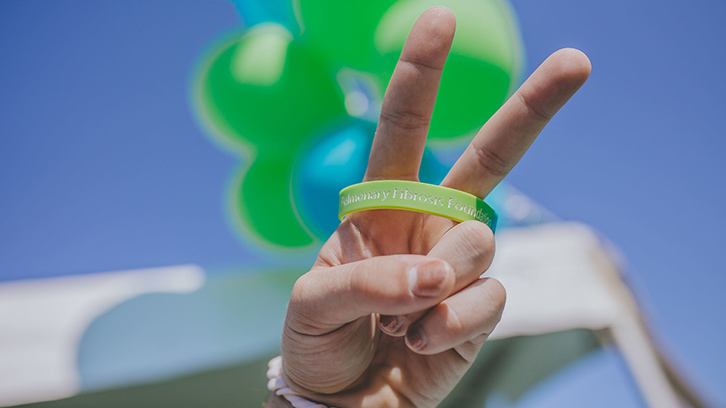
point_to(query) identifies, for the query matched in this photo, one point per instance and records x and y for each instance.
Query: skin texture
(394, 310)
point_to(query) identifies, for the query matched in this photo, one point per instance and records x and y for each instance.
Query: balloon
(262, 204)
(264, 91)
(432, 171)
(259, 11)
(337, 160)
(266, 94)
(342, 30)
(482, 69)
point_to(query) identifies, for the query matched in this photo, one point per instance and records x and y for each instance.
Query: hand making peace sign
(394, 310)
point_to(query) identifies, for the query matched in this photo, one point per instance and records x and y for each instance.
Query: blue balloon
(333, 163)
(336, 161)
(432, 170)
(260, 11)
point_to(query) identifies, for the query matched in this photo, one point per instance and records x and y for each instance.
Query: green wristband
(414, 196)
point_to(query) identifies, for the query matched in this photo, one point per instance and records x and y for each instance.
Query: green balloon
(263, 205)
(262, 95)
(342, 30)
(265, 91)
(482, 70)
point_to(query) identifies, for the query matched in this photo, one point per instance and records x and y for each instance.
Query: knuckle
(490, 161)
(420, 65)
(497, 294)
(405, 119)
(478, 240)
(301, 314)
(454, 322)
(297, 295)
(478, 234)
(534, 108)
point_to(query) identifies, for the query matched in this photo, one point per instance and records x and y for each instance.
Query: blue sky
(636, 154)
(103, 168)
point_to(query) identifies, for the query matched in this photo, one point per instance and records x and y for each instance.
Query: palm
(419, 273)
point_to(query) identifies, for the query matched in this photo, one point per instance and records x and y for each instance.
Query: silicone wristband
(414, 196)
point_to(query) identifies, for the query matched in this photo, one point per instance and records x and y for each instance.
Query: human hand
(394, 310)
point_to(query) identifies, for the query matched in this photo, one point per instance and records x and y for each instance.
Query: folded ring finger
(469, 249)
(467, 315)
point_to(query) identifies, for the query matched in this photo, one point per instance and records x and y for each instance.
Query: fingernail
(415, 338)
(428, 278)
(390, 323)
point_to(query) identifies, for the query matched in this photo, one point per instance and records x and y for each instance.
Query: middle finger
(503, 140)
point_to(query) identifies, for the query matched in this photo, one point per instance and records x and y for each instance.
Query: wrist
(279, 388)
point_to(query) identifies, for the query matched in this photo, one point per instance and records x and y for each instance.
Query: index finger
(409, 100)
(504, 139)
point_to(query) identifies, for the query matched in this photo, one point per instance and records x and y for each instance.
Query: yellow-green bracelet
(414, 196)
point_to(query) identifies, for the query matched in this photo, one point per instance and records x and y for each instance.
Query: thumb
(326, 298)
